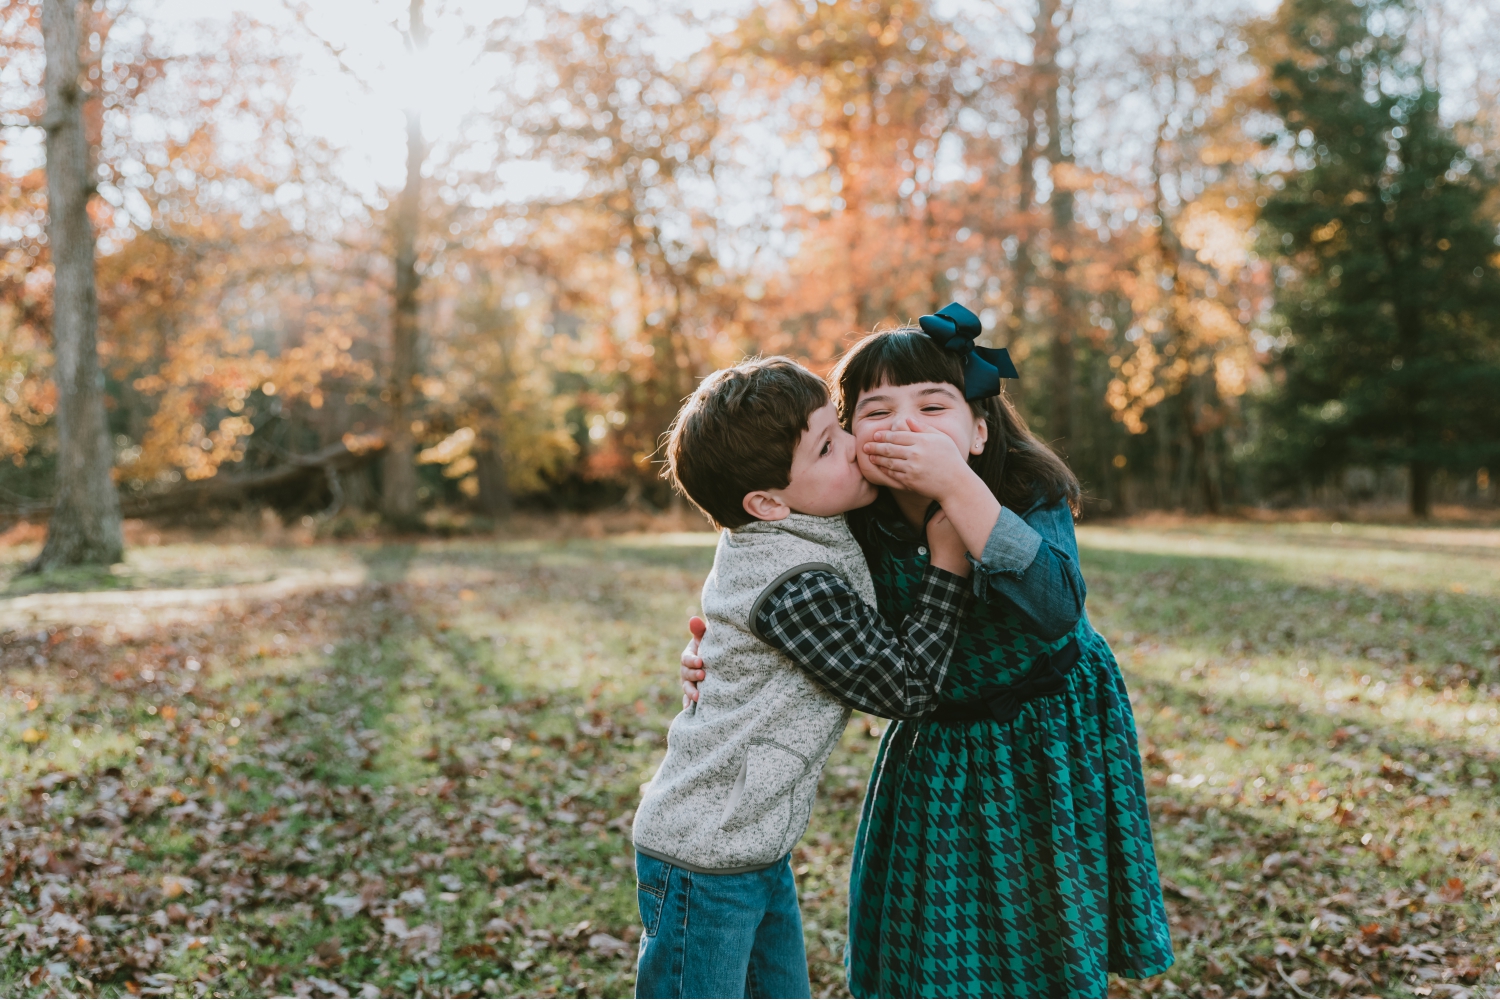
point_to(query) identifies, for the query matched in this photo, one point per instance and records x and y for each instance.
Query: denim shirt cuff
(1010, 549)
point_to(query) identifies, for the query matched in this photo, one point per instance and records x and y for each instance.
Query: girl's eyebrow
(871, 399)
(941, 390)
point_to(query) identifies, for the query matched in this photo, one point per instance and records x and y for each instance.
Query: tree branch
(329, 460)
(299, 14)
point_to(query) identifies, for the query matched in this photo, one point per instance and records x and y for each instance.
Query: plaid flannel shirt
(828, 630)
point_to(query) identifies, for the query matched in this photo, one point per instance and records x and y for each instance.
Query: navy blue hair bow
(955, 329)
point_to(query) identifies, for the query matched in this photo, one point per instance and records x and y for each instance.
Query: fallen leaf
(607, 946)
(346, 903)
(173, 886)
(1185, 891)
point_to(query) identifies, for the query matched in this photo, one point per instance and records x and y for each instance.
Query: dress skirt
(1011, 859)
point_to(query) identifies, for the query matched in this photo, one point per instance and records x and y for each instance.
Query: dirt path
(130, 609)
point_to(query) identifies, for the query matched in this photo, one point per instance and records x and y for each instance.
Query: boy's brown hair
(737, 433)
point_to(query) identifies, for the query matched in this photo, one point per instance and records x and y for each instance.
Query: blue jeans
(719, 935)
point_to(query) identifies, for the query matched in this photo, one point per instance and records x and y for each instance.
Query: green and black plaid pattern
(893, 671)
(1005, 860)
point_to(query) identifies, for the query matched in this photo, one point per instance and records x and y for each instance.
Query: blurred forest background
(357, 269)
(1243, 254)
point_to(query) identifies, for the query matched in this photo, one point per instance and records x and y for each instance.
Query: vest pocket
(762, 795)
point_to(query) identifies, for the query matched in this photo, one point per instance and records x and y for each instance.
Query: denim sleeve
(1030, 567)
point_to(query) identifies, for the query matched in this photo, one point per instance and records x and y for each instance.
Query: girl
(1004, 847)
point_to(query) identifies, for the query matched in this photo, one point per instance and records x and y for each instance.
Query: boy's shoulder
(766, 549)
(793, 530)
(755, 559)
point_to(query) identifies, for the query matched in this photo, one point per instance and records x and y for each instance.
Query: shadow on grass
(1323, 539)
(19, 583)
(1256, 608)
(574, 553)
(389, 561)
(1303, 735)
(1299, 859)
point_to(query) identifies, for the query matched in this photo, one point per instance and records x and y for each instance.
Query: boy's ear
(764, 507)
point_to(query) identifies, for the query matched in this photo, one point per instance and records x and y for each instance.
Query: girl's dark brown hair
(1017, 466)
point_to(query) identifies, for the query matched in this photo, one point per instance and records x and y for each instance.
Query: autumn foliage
(783, 181)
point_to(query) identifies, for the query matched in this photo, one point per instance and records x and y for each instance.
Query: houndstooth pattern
(1004, 860)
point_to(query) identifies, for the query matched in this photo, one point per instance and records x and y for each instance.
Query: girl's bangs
(898, 357)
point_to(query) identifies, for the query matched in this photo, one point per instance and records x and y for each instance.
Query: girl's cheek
(959, 428)
(870, 472)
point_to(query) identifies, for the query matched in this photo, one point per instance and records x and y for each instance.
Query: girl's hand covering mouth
(920, 459)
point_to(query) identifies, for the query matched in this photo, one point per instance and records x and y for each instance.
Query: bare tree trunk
(399, 482)
(494, 488)
(1060, 355)
(1196, 458)
(1421, 489)
(1030, 100)
(85, 525)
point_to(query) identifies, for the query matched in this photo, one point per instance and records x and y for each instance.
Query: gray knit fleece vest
(736, 789)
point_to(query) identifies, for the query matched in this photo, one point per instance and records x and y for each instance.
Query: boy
(796, 642)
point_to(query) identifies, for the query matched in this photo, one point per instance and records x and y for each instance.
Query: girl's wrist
(967, 488)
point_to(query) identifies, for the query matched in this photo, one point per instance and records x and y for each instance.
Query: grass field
(408, 769)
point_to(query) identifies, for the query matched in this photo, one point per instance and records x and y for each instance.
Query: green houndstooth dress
(1008, 859)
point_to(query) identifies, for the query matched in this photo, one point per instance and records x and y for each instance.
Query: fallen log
(348, 453)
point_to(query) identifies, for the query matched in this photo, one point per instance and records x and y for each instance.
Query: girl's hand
(931, 464)
(692, 664)
(921, 460)
(946, 545)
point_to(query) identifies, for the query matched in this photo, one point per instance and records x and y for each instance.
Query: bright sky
(361, 113)
(445, 82)
(450, 79)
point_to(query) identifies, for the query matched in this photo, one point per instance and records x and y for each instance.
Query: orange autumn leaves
(245, 287)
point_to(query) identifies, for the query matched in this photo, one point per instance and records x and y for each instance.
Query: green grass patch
(419, 782)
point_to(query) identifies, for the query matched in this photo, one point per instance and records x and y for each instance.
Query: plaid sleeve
(819, 621)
